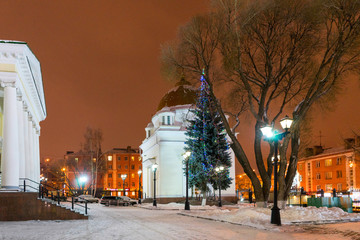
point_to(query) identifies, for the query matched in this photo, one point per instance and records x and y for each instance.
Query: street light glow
(267, 131)
(187, 154)
(123, 176)
(154, 167)
(83, 179)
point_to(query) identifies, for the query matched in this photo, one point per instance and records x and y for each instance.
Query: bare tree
(280, 56)
(92, 146)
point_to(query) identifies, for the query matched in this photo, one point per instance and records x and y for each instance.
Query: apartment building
(327, 169)
(122, 175)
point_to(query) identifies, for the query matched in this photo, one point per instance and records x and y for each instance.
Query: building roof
(182, 94)
(123, 150)
(329, 152)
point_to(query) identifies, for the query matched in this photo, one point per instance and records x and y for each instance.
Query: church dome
(182, 94)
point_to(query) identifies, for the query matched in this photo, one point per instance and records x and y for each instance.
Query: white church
(164, 146)
(22, 108)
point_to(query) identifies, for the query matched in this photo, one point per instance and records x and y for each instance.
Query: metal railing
(43, 191)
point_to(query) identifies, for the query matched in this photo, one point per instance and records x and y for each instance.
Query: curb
(320, 222)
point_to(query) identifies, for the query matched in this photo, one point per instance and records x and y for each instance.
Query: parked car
(86, 198)
(129, 200)
(113, 200)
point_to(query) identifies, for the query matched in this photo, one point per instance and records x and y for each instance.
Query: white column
(31, 150)
(10, 156)
(33, 176)
(37, 156)
(27, 142)
(21, 137)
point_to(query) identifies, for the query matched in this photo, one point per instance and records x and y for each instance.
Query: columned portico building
(164, 145)
(22, 107)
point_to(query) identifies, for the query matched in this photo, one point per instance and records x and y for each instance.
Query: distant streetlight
(123, 177)
(139, 172)
(218, 171)
(83, 179)
(186, 159)
(154, 168)
(271, 135)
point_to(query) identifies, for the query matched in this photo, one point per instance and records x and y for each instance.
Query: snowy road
(138, 223)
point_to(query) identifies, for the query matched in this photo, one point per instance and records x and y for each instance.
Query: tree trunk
(203, 202)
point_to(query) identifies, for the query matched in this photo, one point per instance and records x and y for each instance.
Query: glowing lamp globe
(83, 179)
(267, 131)
(187, 154)
(286, 122)
(154, 167)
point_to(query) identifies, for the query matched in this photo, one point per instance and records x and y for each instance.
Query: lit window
(133, 193)
(328, 162)
(76, 159)
(339, 174)
(139, 158)
(132, 158)
(109, 158)
(132, 175)
(339, 187)
(318, 187)
(328, 187)
(328, 175)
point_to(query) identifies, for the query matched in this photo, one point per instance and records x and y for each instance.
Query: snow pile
(260, 217)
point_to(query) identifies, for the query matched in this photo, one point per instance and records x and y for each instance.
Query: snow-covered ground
(168, 222)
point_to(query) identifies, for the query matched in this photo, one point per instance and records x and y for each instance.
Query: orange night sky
(100, 68)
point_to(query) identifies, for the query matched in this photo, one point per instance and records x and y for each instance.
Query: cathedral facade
(22, 108)
(164, 146)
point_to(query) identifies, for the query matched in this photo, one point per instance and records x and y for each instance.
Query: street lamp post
(139, 172)
(186, 158)
(268, 132)
(154, 167)
(123, 177)
(218, 173)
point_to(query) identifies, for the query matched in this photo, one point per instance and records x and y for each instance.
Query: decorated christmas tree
(206, 140)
